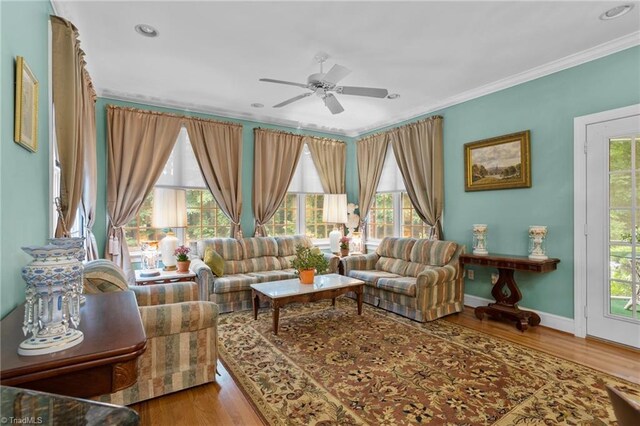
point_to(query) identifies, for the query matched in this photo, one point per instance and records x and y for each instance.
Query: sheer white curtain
(306, 179)
(182, 170)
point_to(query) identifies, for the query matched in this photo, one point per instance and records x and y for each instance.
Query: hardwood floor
(223, 404)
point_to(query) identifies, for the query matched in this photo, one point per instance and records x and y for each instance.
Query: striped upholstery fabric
(287, 244)
(433, 252)
(160, 294)
(390, 264)
(285, 261)
(424, 292)
(258, 247)
(234, 267)
(402, 285)
(232, 283)
(371, 277)
(181, 339)
(103, 276)
(233, 301)
(265, 276)
(264, 263)
(399, 248)
(204, 277)
(361, 262)
(181, 351)
(228, 248)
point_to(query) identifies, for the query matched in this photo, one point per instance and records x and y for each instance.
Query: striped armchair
(419, 279)
(181, 334)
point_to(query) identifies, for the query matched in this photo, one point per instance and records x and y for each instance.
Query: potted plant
(182, 258)
(308, 262)
(344, 246)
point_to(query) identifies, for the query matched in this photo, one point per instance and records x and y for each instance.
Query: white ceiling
(210, 55)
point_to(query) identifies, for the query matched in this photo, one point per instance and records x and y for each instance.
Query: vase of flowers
(344, 246)
(183, 259)
(308, 262)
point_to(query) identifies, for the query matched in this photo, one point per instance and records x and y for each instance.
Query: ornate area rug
(332, 367)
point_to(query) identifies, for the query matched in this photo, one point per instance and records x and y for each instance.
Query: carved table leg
(333, 302)
(256, 304)
(359, 295)
(276, 315)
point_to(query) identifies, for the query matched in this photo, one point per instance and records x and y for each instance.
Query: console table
(505, 291)
(103, 363)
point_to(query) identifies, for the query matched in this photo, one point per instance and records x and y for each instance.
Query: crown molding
(221, 113)
(579, 58)
(549, 68)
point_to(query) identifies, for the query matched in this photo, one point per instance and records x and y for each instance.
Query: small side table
(164, 277)
(507, 301)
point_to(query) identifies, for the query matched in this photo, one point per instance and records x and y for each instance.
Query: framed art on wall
(498, 163)
(26, 119)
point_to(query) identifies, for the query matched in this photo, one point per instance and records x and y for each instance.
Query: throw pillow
(214, 261)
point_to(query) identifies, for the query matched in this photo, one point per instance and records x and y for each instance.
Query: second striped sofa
(417, 278)
(246, 261)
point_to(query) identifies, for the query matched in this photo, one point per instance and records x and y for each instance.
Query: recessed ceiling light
(616, 12)
(146, 30)
(393, 96)
(257, 105)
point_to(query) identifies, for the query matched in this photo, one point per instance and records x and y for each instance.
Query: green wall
(547, 107)
(247, 219)
(24, 176)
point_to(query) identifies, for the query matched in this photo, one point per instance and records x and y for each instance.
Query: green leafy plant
(181, 253)
(310, 258)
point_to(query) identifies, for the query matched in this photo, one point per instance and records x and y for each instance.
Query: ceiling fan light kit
(321, 84)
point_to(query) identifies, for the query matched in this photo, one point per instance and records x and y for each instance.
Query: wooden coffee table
(280, 293)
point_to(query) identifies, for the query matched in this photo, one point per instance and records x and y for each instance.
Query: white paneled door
(613, 230)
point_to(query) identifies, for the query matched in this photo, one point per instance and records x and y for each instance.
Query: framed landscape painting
(26, 119)
(498, 163)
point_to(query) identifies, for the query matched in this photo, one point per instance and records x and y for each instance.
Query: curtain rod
(170, 114)
(298, 134)
(386, 132)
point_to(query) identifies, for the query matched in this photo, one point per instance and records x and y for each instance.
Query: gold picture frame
(26, 117)
(502, 162)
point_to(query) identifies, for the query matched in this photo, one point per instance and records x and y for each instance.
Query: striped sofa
(246, 261)
(416, 278)
(181, 334)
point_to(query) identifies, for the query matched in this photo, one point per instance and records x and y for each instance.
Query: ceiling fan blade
(363, 91)
(295, 98)
(336, 73)
(332, 103)
(290, 83)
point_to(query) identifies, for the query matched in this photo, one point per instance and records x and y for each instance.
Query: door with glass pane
(613, 230)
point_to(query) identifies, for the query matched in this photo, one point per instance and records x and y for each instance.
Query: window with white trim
(301, 211)
(205, 219)
(391, 213)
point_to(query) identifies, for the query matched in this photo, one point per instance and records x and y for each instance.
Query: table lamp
(334, 210)
(169, 211)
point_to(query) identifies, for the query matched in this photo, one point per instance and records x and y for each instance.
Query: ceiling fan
(322, 84)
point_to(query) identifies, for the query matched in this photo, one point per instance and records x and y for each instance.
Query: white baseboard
(548, 320)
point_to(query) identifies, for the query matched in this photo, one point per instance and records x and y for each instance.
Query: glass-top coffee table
(280, 293)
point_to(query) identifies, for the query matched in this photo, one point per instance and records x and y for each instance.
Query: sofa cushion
(433, 252)
(228, 248)
(234, 267)
(393, 265)
(371, 277)
(231, 283)
(399, 248)
(265, 276)
(402, 285)
(414, 269)
(264, 263)
(214, 261)
(259, 247)
(287, 244)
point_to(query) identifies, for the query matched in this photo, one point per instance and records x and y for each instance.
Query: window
(285, 219)
(205, 219)
(301, 211)
(391, 213)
